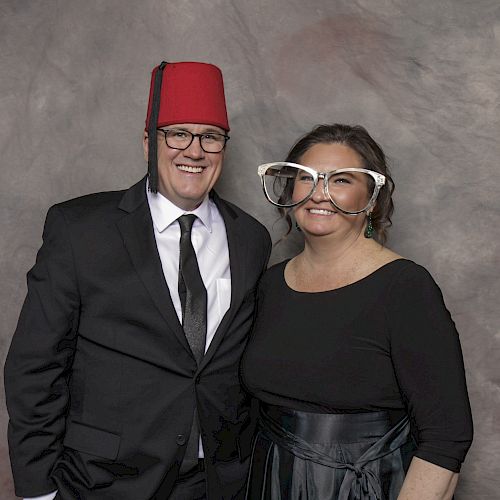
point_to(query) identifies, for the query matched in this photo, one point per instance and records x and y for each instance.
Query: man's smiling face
(185, 177)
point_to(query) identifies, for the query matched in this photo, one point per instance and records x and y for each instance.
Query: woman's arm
(428, 365)
(426, 481)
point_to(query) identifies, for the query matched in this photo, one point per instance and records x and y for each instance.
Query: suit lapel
(237, 254)
(138, 236)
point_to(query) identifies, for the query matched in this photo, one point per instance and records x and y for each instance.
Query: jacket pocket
(90, 440)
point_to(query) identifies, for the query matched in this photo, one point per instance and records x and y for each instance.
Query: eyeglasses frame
(165, 130)
(377, 177)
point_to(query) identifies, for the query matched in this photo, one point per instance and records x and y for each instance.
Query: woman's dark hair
(358, 139)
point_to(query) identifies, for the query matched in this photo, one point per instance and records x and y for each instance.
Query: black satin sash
(305, 435)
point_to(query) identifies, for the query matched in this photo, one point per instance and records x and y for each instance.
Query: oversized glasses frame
(379, 180)
(210, 142)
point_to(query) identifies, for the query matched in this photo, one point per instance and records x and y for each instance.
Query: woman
(354, 357)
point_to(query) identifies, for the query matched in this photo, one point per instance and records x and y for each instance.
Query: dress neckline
(354, 283)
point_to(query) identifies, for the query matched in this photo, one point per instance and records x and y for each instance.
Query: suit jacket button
(180, 439)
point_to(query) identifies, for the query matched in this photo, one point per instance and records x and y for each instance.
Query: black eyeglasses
(210, 142)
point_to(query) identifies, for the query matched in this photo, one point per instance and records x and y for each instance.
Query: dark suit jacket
(100, 381)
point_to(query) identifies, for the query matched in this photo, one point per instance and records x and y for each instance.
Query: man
(122, 377)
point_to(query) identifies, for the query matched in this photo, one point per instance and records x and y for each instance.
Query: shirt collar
(164, 212)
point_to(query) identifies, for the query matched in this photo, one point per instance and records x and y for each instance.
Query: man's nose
(195, 150)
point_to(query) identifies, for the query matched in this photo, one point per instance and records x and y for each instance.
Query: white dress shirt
(210, 245)
(49, 496)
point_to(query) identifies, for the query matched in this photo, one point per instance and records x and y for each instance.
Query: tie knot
(186, 223)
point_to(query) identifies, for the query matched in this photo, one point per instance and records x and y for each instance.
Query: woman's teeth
(318, 211)
(190, 169)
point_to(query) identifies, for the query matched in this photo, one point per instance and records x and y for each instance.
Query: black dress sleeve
(428, 363)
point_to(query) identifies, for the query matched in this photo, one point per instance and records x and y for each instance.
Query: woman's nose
(319, 193)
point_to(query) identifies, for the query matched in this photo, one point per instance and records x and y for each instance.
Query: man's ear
(145, 145)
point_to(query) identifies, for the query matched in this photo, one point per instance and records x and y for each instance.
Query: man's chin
(190, 202)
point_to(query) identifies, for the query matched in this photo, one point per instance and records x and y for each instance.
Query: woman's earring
(369, 227)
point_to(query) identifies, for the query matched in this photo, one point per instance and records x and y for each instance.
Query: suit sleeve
(428, 363)
(267, 249)
(39, 361)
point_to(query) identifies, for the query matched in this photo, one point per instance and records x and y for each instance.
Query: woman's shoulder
(406, 269)
(410, 282)
(401, 276)
(276, 269)
(394, 265)
(274, 274)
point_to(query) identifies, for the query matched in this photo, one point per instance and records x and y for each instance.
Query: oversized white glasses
(351, 190)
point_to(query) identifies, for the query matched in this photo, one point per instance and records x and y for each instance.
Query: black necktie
(193, 297)
(192, 292)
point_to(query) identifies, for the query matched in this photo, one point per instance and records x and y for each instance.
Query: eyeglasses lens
(351, 191)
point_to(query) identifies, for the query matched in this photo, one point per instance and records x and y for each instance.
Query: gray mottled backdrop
(422, 76)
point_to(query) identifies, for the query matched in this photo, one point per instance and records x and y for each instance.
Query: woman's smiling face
(318, 216)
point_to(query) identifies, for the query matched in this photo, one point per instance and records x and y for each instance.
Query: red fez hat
(191, 92)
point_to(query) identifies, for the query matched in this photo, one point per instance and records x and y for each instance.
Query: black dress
(341, 374)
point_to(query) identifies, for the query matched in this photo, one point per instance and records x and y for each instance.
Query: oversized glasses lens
(286, 185)
(350, 191)
(211, 142)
